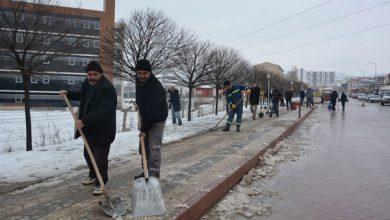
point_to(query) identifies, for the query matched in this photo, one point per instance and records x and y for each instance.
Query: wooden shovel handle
(142, 142)
(99, 176)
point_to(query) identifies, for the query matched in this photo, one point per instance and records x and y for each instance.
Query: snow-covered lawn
(61, 159)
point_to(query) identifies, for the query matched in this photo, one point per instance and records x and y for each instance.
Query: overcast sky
(223, 21)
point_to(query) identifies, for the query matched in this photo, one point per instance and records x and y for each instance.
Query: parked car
(361, 96)
(384, 95)
(373, 98)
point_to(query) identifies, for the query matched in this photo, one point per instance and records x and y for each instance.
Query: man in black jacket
(343, 99)
(97, 118)
(276, 96)
(333, 99)
(174, 104)
(288, 95)
(152, 104)
(254, 99)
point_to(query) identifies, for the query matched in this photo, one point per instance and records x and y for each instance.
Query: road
(343, 171)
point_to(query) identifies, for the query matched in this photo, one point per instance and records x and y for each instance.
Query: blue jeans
(176, 115)
(275, 108)
(288, 103)
(238, 110)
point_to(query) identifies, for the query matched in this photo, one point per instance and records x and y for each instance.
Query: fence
(51, 127)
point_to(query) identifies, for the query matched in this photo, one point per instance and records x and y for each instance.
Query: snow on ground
(65, 158)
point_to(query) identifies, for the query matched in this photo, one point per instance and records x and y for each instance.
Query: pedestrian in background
(174, 105)
(276, 96)
(254, 99)
(309, 98)
(288, 95)
(282, 98)
(302, 96)
(333, 99)
(343, 99)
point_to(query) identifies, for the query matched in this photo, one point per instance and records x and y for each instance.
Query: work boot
(141, 175)
(238, 128)
(88, 180)
(226, 128)
(277, 114)
(98, 191)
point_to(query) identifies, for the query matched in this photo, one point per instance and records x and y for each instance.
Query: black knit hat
(143, 65)
(94, 66)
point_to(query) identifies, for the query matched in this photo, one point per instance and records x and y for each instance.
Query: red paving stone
(346, 174)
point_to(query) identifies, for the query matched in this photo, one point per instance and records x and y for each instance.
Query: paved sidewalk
(189, 168)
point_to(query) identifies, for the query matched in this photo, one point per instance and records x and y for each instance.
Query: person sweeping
(234, 101)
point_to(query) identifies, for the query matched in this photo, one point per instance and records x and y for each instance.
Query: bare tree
(192, 65)
(25, 29)
(147, 34)
(222, 68)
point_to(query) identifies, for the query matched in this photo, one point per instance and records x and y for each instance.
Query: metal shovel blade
(147, 199)
(113, 207)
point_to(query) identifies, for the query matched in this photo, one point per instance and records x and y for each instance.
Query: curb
(203, 202)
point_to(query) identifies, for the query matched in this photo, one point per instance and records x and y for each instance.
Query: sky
(264, 30)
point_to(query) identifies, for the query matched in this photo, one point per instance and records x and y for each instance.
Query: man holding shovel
(97, 119)
(234, 101)
(153, 109)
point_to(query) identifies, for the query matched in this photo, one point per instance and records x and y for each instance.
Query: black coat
(254, 97)
(276, 95)
(343, 97)
(333, 96)
(288, 95)
(151, 101)
(302, 94)
(174, 100)
(100, 118)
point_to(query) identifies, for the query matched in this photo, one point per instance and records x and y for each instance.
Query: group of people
(334, 97)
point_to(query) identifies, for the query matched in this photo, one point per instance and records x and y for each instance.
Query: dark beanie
(94, 66)
(143, 65)
(226, 83)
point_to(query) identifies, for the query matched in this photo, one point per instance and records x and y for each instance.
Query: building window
(46, 41)
(46, 21)
(71, 80)
(18, 79)
(18, 98)
(73, 23)
(45, 80)
(86, 24)
(85, 43)
(96, 25)
(72, 61)
(45, 60)
(85, 61)
(19, 37)
(72, 41)
(96, 44)
(34, 80)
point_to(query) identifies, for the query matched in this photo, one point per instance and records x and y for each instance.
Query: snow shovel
(216, 125)
(147, 199)
(111, 206)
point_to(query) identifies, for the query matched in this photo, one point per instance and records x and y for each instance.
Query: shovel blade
(113, 207)
(147, 198)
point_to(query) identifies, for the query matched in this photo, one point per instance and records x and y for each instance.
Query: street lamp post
(375, 71)
(268, 79)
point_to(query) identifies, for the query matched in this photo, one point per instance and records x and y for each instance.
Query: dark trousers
(333, 105)
(275, 108)
(343, 104)
(288, 103)
(100, 154)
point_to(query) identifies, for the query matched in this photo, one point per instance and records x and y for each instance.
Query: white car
(373, 98)
(384, 96)
(361, 96)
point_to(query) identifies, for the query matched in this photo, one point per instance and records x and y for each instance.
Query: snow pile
(248, 198)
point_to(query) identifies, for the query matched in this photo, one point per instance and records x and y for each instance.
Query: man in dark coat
(302, 96)
(97, 118)
(174, 105)
(153, 108)
(254, 99)
(288, 95)
(276, 96)
(333, 99)
(343, 99)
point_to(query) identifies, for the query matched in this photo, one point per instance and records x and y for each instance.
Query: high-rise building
(64, 72)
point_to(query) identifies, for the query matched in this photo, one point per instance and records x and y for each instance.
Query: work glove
(233, 106)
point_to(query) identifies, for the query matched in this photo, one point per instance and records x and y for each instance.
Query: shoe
(88, 181)
(277, 115)
(238, 129)
(156, 175)
(98, 191)
(270, 116)
(227, 128)
(180, 123)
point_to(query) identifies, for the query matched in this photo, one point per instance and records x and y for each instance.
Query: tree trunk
(216, 99)
(26, 87)
(189, 103)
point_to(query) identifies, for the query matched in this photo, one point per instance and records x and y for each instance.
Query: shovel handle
(142, 142)
(99, 176)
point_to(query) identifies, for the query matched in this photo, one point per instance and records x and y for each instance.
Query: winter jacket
(151, 101)
(254, 97)
(333, 96)
(343, 97)
(276, 95)
(288, 95)
(100, 115)
(309, 94)
(174, 100)
(302, 94)
(234, 96)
